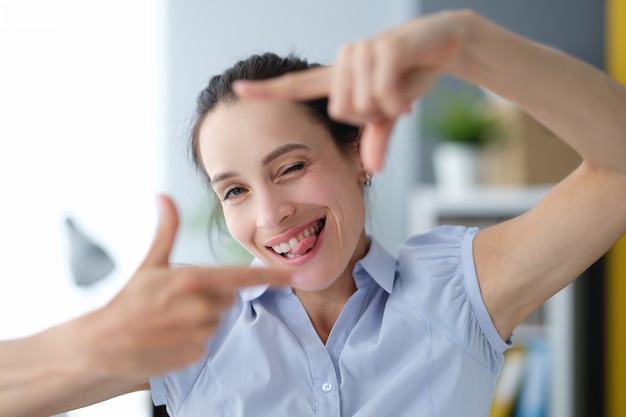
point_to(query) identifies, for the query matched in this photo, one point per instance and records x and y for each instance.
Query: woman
(359, 332)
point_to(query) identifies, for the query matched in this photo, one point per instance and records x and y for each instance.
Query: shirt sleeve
(173, 388)
(438, 274)
(157, 389)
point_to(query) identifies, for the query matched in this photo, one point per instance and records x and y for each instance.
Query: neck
(325, 306)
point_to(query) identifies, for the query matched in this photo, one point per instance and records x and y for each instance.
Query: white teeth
(284, 247)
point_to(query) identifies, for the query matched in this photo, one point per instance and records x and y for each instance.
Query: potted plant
(461, 126)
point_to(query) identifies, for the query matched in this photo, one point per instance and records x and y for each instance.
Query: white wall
(204, 37)
(78, 106)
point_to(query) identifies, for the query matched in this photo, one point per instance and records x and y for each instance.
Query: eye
(298, 166)
(233, 192)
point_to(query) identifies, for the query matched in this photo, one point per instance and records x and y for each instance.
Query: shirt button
(327, 386)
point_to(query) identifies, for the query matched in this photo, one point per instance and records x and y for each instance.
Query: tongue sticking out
(304, 245)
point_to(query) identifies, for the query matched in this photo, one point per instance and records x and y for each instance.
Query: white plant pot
(456, 167)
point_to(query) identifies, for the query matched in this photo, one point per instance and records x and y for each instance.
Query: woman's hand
(160, 321)
(374, 82)
(164, 316)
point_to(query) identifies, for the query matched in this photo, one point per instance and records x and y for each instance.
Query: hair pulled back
(259, 67)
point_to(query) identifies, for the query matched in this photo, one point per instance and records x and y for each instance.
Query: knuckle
(346, 51)
(198, 310)
(389, 101)
(338, 109)
(380, 45)
(383, 88)
(365, 108)
(187, 279)
(361, 49)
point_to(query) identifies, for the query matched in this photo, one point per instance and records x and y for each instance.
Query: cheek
(317, 193)
(344, 197)
(239, 227)
(320, 188)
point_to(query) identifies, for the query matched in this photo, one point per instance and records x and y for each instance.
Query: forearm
(52, 372)
(583, 106)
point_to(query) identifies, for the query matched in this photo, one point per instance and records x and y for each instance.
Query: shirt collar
(378, 264)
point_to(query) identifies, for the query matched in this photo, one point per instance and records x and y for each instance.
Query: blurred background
(96, 101)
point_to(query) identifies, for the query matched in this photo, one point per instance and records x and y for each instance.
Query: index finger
(234, 277)
(302, 85)
(374, 144)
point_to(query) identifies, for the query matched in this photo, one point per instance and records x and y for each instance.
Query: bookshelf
(553, 322)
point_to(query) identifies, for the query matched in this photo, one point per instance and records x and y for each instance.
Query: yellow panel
(616, 38)
(616, 259)
(616, 337)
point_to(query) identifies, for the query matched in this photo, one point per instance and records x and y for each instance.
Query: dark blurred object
(159, 411)
(89, 263)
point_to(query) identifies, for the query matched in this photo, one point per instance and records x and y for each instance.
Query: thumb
(165, 236)
(374, 144)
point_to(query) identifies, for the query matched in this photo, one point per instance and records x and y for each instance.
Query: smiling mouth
(300, 244)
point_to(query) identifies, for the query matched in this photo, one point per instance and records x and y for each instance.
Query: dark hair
(258, 67)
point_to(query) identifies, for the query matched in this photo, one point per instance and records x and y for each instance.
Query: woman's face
(289, 195)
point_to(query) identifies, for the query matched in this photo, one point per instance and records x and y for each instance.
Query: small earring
(368, 179)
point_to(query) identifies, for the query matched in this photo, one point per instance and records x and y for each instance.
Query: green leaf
(462, 119)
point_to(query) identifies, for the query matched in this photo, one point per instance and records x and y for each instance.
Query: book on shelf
(534, 393)
(522, 389)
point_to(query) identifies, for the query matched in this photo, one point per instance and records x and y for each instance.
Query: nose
(273, 207)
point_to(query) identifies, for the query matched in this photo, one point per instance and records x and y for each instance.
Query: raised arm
(522, 262)
(160, 321)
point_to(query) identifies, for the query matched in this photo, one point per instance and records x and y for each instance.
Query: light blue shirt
(415, 339)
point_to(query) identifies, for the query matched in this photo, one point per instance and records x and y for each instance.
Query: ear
(365, 177)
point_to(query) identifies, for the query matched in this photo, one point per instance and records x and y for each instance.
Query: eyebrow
(269, 158)
(283, 150)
